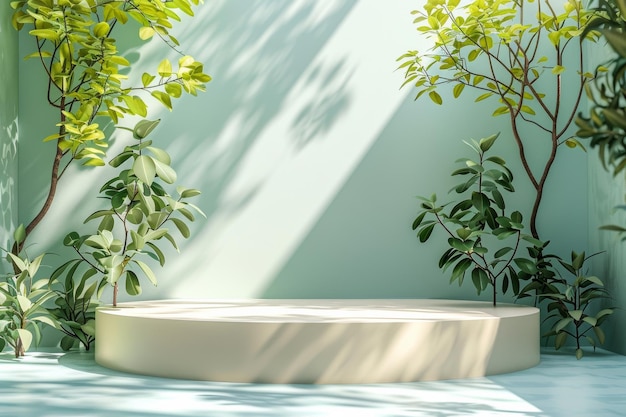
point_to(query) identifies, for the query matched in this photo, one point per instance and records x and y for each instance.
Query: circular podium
(317, 341)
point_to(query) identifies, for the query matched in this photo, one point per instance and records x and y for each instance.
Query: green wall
(605, 194)
(308, 155)
(8, 128)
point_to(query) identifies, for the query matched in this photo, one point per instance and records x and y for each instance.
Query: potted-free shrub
(485, 240)
(515, 53)
(74, 41)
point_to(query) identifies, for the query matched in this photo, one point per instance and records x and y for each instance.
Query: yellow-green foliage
(80, 57)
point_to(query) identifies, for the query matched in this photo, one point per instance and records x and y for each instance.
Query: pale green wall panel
(8, 129)
(605, 193)
(308, 155)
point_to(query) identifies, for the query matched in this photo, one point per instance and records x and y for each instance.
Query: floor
(53, 384)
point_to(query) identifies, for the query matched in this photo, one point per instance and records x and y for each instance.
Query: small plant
(570, 305)
(86, 87)
(75, 302)
(22, 299)
(86, 75)
(136, 219)
(482, 236)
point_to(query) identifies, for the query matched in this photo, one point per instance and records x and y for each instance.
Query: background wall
(605, 193)
(308, 155)
(8, 129)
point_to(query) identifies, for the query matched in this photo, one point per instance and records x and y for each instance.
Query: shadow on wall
(363, 246)
(270, 99)
(258, 53)
(8, 131)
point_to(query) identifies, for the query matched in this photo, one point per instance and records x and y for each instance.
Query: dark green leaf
(425, 232)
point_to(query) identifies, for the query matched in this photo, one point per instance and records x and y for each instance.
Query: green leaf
(145, 169)
(435, 97)
(24, 303)
(560, 339)
(165, 68)
(20, 234)
(486, 143)
(501, 252)
(457, 90)
(165, 172)
(174, 89)
(146, 79)
(67, 343)
(160, 155)
(573, 143)
(147, 271)
(146, 32)
(89, 327)
(576, 314)
(459, 270)
(561, 324)
(579, 353)
(526, 265)
(27, 338)
(558, 69)
(483, 97)
(599, 334)
(21, 265)
(101, 29)
(144, 127)
(163, 98)
(425, 232)
(158, 252)
(590, 320)
(133, 287)
(187, 192)
(182, 227)
(48, 34)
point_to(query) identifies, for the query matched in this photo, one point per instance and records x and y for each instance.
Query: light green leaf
(20, 234)
(21, 265)
(146, 270)
(165, 172)
(45, 34)
(165, 68)
(46, 320)
(558, 69)
(145, 169)
(133, 287)
(182, 227)
(163, 98)
(146, 32)
(174, 89)
(27, 338)
(187, 192)
(24, 303)
(89, 327)
(101, 29)
(146, 79)
(576, 314)
(144, 127)
(160, 155)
